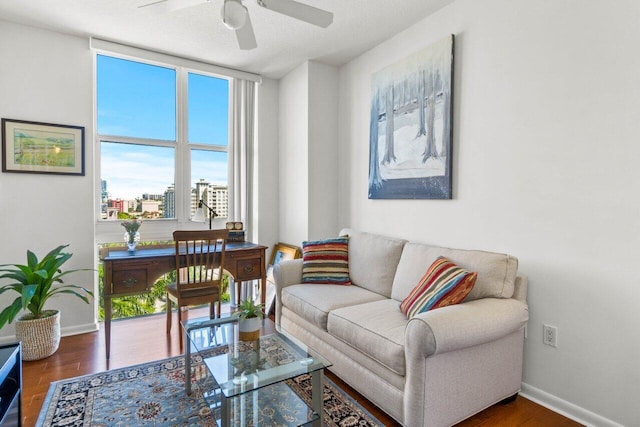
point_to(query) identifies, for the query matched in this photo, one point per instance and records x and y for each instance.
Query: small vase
(131, 241)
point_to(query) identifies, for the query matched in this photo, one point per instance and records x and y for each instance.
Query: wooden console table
(133, 274)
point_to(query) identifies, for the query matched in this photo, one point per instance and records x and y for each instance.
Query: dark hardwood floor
(143, 339)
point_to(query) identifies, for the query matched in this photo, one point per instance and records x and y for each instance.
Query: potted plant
(36, 282)
(250, 317)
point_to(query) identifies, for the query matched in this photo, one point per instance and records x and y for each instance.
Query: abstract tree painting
(411, 126)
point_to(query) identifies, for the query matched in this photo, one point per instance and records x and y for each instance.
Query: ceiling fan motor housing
(234, 14)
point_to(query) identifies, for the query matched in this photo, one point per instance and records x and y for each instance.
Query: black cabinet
(10, 385)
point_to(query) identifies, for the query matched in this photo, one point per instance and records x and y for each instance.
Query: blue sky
(138, 100)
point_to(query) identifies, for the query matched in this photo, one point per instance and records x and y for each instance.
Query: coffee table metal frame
(316, 375)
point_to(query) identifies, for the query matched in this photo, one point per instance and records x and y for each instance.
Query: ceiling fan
(235, 15)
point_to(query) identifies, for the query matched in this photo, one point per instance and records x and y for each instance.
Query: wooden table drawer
(129, 281)
(241, 255)
(247, 269)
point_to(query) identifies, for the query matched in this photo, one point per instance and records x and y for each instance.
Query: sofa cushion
(496, 272)
(443, 284)
(373, 260)
(313, 302)
(375, 329)
(326, 261)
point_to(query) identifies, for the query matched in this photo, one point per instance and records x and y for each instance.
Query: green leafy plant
(36, 282)
(248, 309)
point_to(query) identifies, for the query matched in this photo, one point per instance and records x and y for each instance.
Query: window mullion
(208, 147)
(183, 162)
(136, 141)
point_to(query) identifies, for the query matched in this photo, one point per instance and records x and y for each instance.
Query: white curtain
(241, 157)
(241, 152)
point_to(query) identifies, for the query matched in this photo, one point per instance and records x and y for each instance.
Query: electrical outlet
(550, 335)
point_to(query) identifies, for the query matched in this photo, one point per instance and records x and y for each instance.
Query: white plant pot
(250, 328)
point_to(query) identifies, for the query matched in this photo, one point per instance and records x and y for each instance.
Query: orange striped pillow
(443, 284)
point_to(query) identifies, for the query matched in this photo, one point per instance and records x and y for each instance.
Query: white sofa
(436, 369)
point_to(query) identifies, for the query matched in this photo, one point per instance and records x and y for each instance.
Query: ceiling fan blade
(300, 11)
(246, 37)
(165, 6)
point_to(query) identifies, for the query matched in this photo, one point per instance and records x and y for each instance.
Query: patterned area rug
(152, 394)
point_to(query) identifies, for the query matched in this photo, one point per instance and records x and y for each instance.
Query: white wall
(293, 154)
(323, 145)
(546, 131)
(308, 144)
(47, 77)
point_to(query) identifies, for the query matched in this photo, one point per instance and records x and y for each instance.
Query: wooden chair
(199, 265)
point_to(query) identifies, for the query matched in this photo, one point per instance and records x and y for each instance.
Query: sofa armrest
(285, 273)
(463, 325)
(520, 289)
(461, 359)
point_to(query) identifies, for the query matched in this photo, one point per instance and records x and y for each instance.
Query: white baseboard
(65, 332)
(568, 409)
(80, 329)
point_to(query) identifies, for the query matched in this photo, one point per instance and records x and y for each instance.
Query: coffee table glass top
(238, 367)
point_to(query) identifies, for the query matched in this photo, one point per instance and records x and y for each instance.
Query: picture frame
(282, 251)
(36, 147)
(411, 126)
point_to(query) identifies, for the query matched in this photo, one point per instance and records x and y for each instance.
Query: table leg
(263, 291)
(107, 325)
(225, 405)
(108, 280)
(187, 361)
(316, 396)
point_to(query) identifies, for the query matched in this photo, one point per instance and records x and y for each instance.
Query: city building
(169, 202)
(150, 207)
(220, 200)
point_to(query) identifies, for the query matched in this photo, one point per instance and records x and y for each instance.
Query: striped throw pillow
(443, 284)
(326, 261)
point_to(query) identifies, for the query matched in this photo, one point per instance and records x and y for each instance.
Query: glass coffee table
(245, 382)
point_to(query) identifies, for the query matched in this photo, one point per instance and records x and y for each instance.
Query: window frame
(108, 231)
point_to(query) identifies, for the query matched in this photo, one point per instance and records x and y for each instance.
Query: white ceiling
(198, 33)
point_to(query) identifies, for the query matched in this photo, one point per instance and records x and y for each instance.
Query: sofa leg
(509, 399)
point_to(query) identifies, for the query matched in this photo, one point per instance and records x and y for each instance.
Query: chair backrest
(199, 257)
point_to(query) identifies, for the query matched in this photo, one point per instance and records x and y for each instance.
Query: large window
(163, 137)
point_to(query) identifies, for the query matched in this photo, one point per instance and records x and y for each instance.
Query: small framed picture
(33, 147)
(282, 251)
